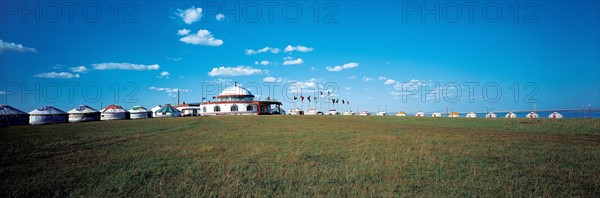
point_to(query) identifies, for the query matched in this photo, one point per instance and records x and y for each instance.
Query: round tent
(532, 115)
(471, 115)
(555, 115)
(10, 116)
(47, 115)
(83, 113)
(454, 114)
(420, 114)
(491, 115)
(167, 111)
(138, 112)
(401, 114)
(113, 112)
(510, 115)
(436, 114)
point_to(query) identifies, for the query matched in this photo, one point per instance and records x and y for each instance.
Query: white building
(47, 115)
(401, 114)
(236, 100)
(436, 115)
(420, 114)
(113, 112)
(83, 113)
(189, 109)
(138, 112)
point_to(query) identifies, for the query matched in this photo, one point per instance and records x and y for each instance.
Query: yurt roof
(114, 109)
(454, 113)
(47, 110)
(401, 112)
(83, 109)
(8, 110)
(167, 109)
(235, 91)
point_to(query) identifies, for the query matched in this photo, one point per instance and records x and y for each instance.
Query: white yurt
(420, 114)
(10, 116)
(113, 112)
(167, 111)
(555, 115)
(155, 109)
(454, 114)
(491, 115)
(296, 111)
(471, 115)
(436, 114)
(47, 115)
(83, 113)
(138, 112)
(401, 114)
(510, 115)
(532, 115)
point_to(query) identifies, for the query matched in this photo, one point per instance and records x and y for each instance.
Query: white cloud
(351, 77)
(183, 32)
(190, 15)
(57, 75)
(164, 74)
(367, 79)
(410, 85)
(264, 62)
(14, 47)
(124, 66)
(271, 79)
(291, 61)
(235, 71)
(382, 78)
(389, 82)
(202, 37)
(264, 49)
(348, 88)
(220, 17)
(299, 48)
(313, 69)
(175, 59)
(80, 69)
(170, 90)
(340, 68)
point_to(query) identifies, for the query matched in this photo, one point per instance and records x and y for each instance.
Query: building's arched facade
(237, 100)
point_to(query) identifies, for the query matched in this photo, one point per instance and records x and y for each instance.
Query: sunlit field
(303, 156)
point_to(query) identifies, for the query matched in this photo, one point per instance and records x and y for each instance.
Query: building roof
(83, 109)
(138, 109)
(47, 110)
(114, 109)
(167, 109)
(8, 110)
(235, 91)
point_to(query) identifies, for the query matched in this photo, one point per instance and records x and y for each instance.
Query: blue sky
(373, 54)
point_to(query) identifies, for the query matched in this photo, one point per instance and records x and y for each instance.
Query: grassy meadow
(319, 156)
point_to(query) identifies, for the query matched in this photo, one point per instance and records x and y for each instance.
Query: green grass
(303, 156)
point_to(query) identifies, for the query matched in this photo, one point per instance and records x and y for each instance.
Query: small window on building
(249, 108)
(234, 108)
(217, 109)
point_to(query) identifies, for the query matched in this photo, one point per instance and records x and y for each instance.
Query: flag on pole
(337, 101)
(343, 102)
(328, 93)
(321, 93)
(308, 98)
(332, 100)
(302, 98)
(295, 98)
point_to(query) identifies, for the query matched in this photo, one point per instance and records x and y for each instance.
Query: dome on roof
(235, 91)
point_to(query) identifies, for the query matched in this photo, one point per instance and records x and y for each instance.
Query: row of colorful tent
(10, 116)
(474, 115)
